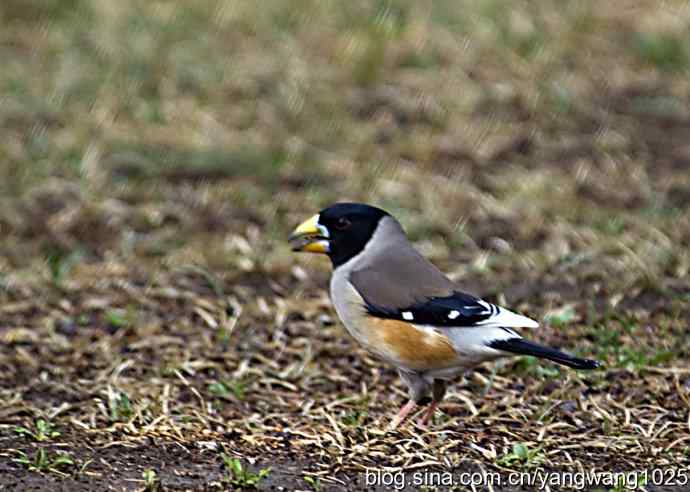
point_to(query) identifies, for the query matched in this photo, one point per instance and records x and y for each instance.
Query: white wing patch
(453, 314)
(503, 318)
(407, 315)
(489, 308)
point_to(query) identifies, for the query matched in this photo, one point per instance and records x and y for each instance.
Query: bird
(402, 309)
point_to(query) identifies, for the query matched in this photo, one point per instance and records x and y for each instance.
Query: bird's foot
(428, 413)
(402, 414)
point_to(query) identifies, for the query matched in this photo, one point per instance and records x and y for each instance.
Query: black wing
(458, 309)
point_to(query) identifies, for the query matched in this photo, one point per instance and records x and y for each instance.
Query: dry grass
(155, 156)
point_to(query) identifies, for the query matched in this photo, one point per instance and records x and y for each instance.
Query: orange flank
(414, 347)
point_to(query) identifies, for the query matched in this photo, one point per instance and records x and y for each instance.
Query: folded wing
(456, 310)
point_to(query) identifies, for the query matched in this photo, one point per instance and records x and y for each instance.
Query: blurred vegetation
(332, 98)
(155, 154)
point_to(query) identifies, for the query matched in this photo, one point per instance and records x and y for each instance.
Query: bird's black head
(341, 231)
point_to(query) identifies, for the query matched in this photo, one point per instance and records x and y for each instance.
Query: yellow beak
(310, 236)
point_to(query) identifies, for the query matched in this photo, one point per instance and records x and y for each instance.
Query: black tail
(525, 347)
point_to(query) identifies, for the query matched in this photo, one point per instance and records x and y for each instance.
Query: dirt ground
(156, 332)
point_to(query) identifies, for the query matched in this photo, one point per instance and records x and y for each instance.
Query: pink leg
(428, 413)
(402, 414)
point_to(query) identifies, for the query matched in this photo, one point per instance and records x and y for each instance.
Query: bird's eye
(342, 223)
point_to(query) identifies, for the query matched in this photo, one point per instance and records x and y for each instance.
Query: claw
(402, 414)
(428, 413)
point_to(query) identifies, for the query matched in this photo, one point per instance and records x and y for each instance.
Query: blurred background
(154, 155)
(144, 127)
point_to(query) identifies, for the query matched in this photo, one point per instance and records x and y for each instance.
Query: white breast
(348, 304)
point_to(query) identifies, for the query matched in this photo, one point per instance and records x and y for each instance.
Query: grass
(45, 462)
(43, 431)
(154, 157)
(120, 406)
(665, 51)
(239, 477)
(522, 456)
(151, 480)
(314, 483)
(237, 389)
